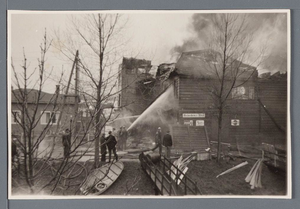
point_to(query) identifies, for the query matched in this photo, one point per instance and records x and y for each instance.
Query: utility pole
(66, 95)
(76, 96)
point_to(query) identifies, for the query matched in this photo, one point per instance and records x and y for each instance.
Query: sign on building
(235, 122)
(193, 115)
(188, 122)
(199, 122)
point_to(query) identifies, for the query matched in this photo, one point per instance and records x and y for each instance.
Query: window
(49, 116)
(16, 116)
(243, 93)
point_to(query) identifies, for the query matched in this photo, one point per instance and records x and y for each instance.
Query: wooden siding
(187, 138)
(273, 95)
(194, 94)
(195, 97)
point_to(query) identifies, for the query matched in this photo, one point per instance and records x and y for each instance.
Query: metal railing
(158, 176)
(162, 178)
(180, 177)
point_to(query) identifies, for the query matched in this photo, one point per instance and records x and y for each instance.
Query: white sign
(199, 122)
(188, 122)
(235, 122)
(193, 115)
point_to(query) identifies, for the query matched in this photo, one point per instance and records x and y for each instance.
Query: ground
(203, 172)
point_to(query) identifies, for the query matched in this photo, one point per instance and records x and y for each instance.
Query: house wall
(195, 97)
(65, 120)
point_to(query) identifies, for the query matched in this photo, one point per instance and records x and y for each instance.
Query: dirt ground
(205, 172)
(134, 181)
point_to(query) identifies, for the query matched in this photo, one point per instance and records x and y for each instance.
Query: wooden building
(272, 94)
(245, 120)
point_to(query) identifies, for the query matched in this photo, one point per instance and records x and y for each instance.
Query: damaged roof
(203, 64)
(132, 63)
(278, 76)
(164, 71)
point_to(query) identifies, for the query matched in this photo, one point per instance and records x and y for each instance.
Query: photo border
(234, 4)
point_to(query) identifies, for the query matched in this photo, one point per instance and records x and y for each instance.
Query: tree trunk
(98, 127)
(97, 137)
(220, 118)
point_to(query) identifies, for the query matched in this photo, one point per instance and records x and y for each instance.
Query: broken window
(243, 93)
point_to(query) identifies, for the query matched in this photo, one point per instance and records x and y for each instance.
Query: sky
(158, 36)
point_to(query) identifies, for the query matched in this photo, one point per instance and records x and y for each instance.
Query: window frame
(56, 113)
(13, 117)
(246, 96)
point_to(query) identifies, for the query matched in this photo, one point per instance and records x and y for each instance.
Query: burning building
(137, 86)
(255, 109)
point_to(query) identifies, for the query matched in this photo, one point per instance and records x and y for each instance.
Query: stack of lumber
(180, 164)
(254, 176)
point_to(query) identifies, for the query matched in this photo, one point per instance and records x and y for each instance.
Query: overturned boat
(100, 179)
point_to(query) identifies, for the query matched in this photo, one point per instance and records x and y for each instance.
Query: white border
(289, 169)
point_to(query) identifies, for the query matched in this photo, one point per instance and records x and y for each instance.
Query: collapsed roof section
(165, 70)
(278, 76)
(205, 64)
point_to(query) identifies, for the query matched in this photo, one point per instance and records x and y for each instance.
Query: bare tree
(231, 47)
(97, 36)
(28, 103)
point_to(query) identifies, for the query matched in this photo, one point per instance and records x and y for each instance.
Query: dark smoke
(268, 29)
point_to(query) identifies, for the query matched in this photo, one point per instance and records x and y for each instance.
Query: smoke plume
(268, 29)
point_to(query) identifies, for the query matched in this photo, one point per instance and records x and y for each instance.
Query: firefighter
(66, 141)
(167, 142)
(158, 140)
(103, 147)
(111, 145)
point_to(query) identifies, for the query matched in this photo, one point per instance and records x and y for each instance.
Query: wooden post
(155, 173)
(259, 113)
(66, 93)
(185, 186)
(176, 178)
(76, 98)
(162, 184)
(164, 169)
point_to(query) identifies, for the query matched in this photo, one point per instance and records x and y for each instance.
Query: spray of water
(155, 112)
